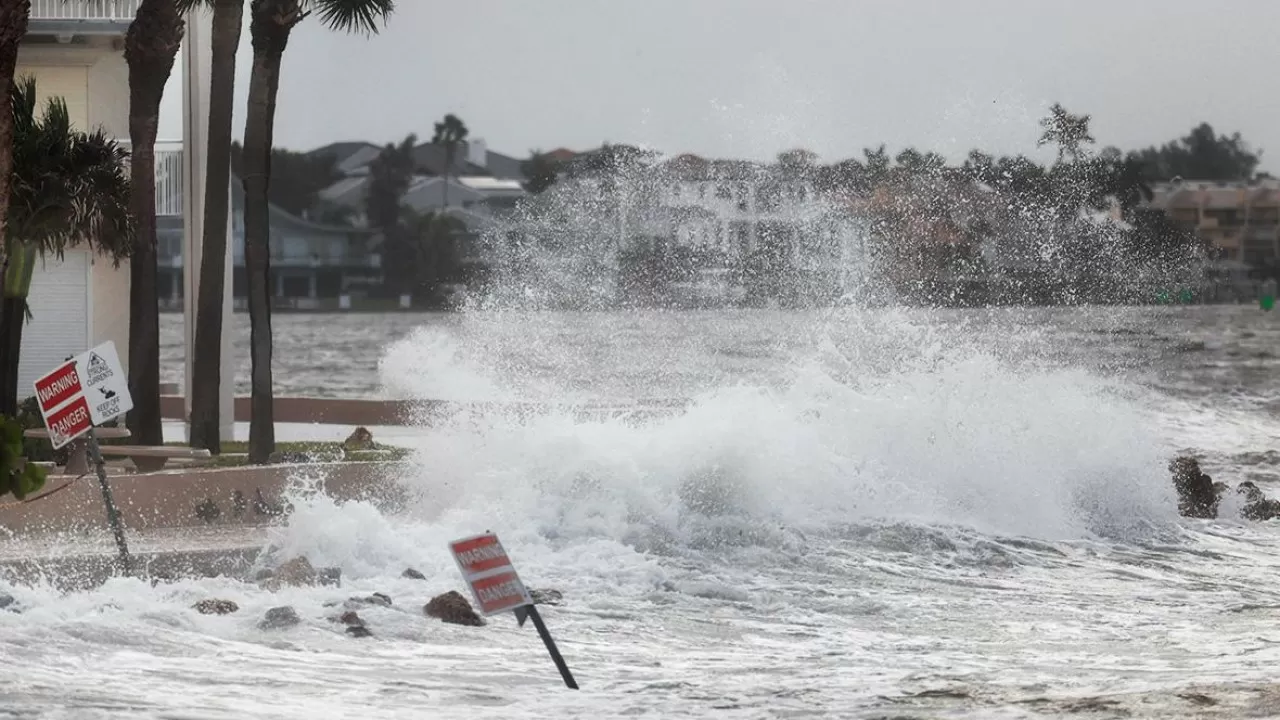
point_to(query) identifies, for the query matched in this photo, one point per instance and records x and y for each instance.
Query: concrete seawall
(190, 522)
(353, 412)
(197, 498)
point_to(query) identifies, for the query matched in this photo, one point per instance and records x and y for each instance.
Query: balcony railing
(99, 10)
(168, 178)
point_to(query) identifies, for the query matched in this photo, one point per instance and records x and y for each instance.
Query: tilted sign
(488, 571)
(90, 389)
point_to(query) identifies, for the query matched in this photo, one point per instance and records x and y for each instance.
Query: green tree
(541, 172)
(13, 27)
(17, 476)
(389, 177)
(150, 48)
(296, 179)
(270, 25)
(1069, 132)
(207, 361)
(450, 133)
(438, 238)
(67, 187)
(1200, 155)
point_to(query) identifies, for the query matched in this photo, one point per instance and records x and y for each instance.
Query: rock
(262, 506)
(7, 602)
(279, 618)
(351, 617)
(451, 607)
(361, 439)
(264, 574)
(1250, 491)
(216, 607)
(413, 574)
(378, 599)
(329, 577)
(297, 572)
(1196, 495)
(359, 631)
(546, 597)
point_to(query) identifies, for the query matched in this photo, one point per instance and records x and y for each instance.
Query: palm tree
(207, 365)
(13, 27)
(67, 187)
(150, 47)
(271, 22)
(450, 133)
(1069, 132)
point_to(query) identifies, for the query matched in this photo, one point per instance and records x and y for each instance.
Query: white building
(75, 50)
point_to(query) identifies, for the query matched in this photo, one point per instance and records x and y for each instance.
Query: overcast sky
(748, 78)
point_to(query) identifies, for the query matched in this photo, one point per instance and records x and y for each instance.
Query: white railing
(106, 10)
(168, 178)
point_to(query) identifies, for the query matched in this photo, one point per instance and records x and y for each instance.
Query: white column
(197, 65)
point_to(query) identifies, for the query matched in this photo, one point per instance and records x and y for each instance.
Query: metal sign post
(85, 391)
(532, 612)
(497, 589)
(113, 514)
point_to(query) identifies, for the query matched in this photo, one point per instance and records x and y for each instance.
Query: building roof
(340, 151)
(1216, 195)
(561, 155)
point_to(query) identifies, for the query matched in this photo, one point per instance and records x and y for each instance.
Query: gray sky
(748, 78)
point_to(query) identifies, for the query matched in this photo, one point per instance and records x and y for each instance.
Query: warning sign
(106, 387)
(485, 566)
(90, 389)
(69, 422)
(57, 387)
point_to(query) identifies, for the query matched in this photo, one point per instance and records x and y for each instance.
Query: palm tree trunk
(19, 267)
(150, 47)
(13, 26)
(271, 21)
(205, 419)
(12, 316)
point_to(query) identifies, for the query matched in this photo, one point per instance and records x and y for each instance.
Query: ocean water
(859, 514)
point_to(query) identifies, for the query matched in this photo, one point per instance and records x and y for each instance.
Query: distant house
(479, 180)
(313, 265)
(1240, 220)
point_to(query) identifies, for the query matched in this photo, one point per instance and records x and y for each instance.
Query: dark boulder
(330, 576)
(279, 618)
(360, 439)
(452, 607)
(1258, 506)
(413, 574)
(1197, 497)
(6, 601)
(216, 607)
(297, 572)
(359, 631)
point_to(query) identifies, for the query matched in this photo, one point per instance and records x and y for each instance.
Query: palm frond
(366, 16)
(67, 186)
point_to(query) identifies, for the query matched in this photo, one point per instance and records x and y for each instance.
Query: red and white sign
(58, 387)
(69, 422)
(89, 389)
(488, 571)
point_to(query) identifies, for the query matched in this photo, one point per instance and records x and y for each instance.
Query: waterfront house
(313, 265)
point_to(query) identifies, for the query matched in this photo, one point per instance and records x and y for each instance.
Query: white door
(59, 324)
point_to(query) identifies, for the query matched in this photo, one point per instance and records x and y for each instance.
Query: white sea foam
(962, 526)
